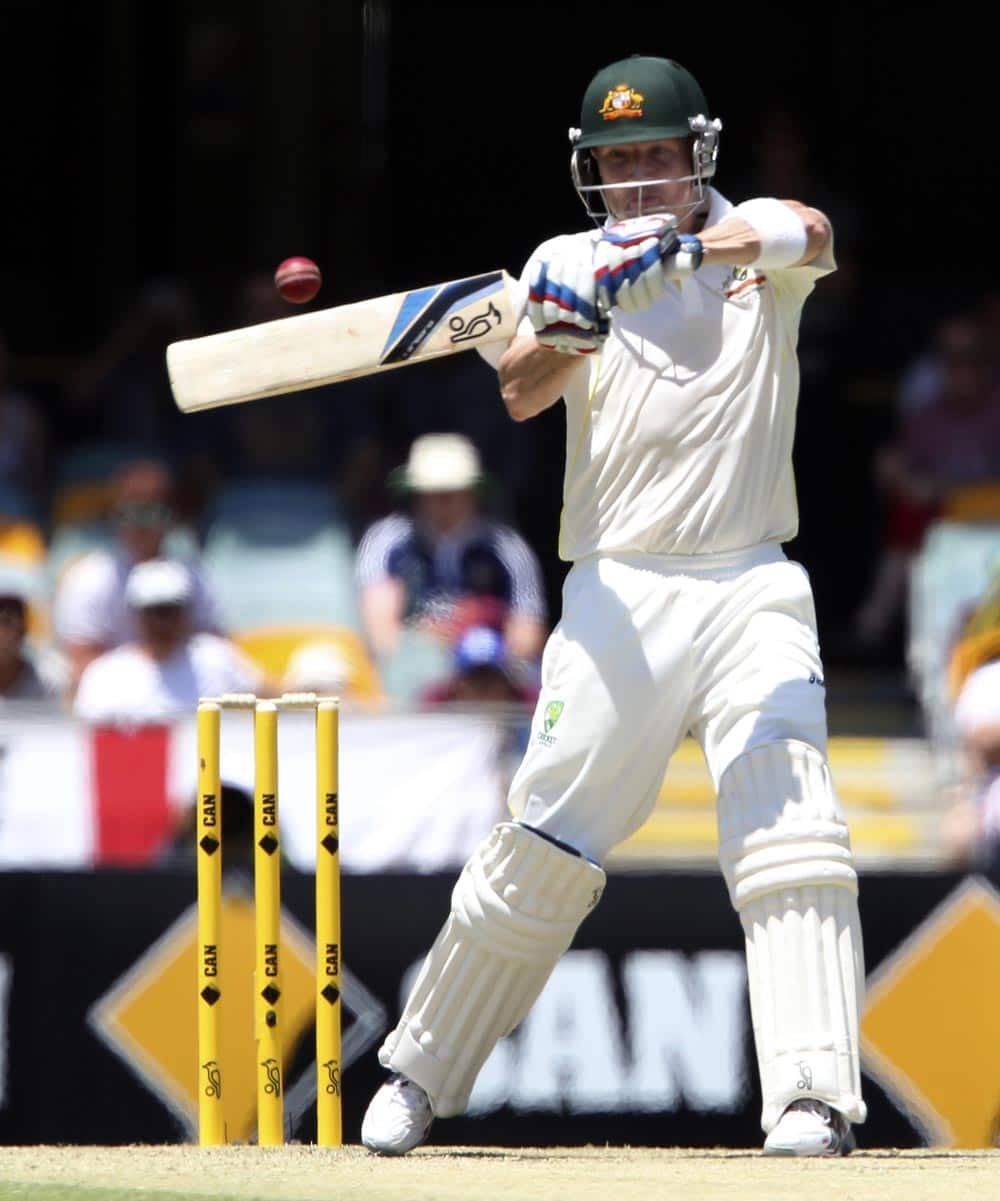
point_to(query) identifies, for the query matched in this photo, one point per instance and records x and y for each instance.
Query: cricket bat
(343, 342)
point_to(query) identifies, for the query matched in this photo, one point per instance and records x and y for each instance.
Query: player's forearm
(732, 242)
(735, 242)
(382, 604)
(532, 378)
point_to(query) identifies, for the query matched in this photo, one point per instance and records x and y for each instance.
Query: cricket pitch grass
(300, 1173)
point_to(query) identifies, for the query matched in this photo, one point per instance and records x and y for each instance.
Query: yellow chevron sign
(149, 1016)
(930, 1034)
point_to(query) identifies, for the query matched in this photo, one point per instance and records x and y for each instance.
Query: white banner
(417, 791)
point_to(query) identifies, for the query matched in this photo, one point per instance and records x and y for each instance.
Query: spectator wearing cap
(161, 675)
(971, 823)
(91, 613)
(444, 565)
(483, 673)
(22, 677)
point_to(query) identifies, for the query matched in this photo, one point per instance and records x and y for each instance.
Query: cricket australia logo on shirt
(742, 285)
(553, 710)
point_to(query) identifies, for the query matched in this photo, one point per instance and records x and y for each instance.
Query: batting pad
(514, 911)
(786, 856)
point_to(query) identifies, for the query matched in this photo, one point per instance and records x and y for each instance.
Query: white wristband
(782, 232)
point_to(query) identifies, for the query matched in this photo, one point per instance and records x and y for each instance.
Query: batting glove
(562, 303)
(634, 260)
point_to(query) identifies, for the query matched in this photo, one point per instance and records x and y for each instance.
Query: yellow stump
(328, 984)
(267, 901)
(211, 1118)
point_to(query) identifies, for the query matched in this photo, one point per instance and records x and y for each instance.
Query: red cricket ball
(298, 279)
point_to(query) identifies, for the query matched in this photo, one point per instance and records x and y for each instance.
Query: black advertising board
(642, 1037)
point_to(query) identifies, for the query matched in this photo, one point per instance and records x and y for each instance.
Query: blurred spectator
(459, 394)
(328, 668)
(22, 677)
(923, 379)
(972, 824)
(161, 675)
(977, 715)
(317, 667)
(483, 673)
(23, 449)
(946, 445)
(444, 565)
(122, 392)
(91, 614)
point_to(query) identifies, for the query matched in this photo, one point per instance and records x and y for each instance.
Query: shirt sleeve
(377, 545)
(527, 591)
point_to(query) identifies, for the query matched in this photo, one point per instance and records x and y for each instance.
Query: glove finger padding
(628, 262)
(562, 305)
(635, 259)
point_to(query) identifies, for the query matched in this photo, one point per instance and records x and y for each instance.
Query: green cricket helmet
(642, 99)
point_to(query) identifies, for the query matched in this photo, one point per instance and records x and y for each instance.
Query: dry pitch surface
(474, 1174)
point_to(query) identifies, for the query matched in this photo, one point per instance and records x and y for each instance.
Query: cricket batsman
(670, 332)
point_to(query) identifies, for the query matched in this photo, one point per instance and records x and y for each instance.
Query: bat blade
(341, 343)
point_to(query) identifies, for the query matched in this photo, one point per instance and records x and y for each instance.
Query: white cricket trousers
(649, 649)
(724, 648)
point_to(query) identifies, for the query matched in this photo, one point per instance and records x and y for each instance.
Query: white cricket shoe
(398, 1118)
(810, 1127)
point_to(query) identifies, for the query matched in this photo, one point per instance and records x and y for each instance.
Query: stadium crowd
(380, 538)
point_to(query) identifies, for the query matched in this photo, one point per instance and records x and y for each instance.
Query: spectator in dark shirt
(444, 566)
(949, 445)
(22, 678)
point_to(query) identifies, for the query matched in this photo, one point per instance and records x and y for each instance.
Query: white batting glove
(635, 258)
(562, 302)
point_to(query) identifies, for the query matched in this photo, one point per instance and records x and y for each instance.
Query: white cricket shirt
(125, 686)
(679, 435)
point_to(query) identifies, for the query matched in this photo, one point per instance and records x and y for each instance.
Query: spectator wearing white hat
(161, 675)
(443, 565)
(91, 612)
(23, 677)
